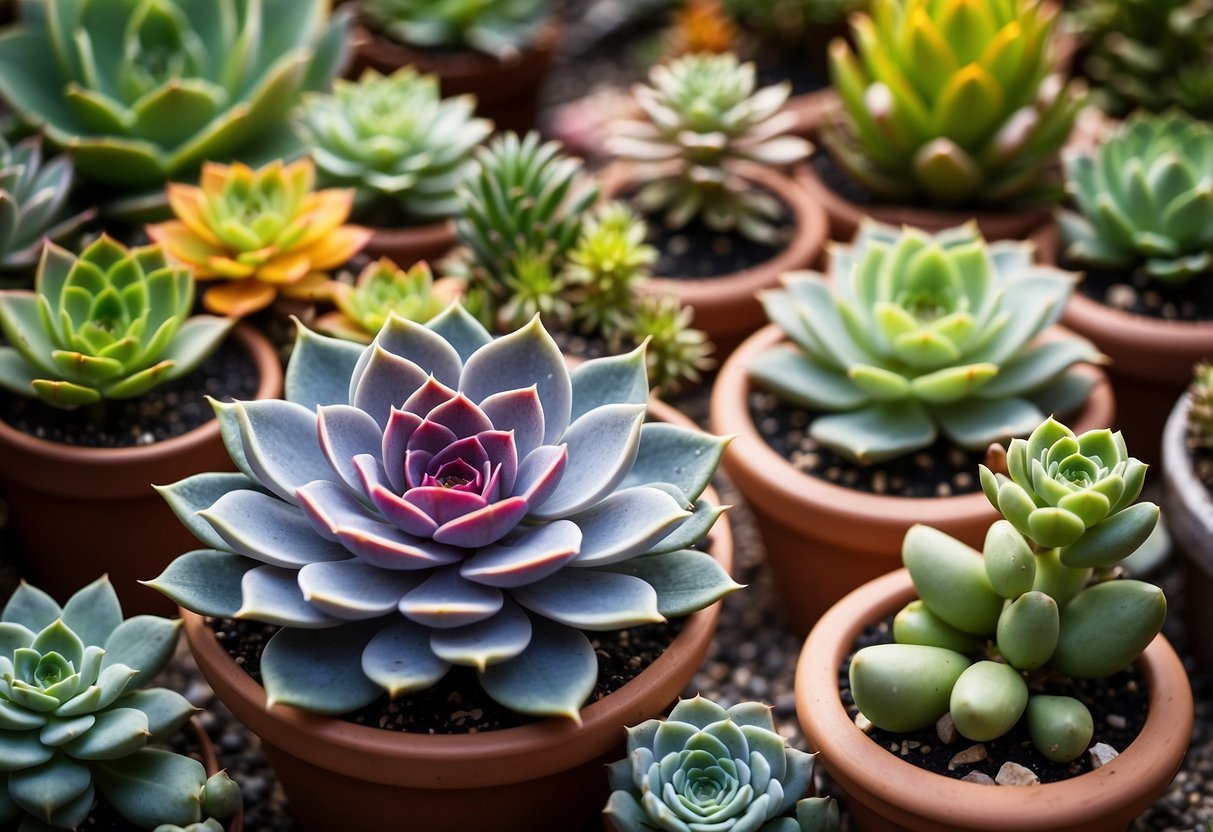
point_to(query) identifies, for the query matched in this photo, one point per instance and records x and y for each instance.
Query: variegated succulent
(109, 324)
(382, 289)
(441, 498)
(914, 334)
(498, 27)
(76, 721)
(708, 769)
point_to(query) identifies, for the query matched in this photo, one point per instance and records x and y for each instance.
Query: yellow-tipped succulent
(258, 233)
(383, 288)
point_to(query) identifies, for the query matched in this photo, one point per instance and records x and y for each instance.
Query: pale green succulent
(1144, 198)
(951, 101)
(675, 351)
(705, 117)
(607, 266)
(499, 27)
(76, 721)
(708, 769)
(109, 324)
(913, 334)
(384, 289)
(989, 625)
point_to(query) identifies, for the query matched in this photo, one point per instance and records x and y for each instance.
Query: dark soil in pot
(1135, 292)
(696, 251)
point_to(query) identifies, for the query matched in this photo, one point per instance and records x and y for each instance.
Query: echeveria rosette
(75, 723)
(913, 334)
(109, 324)
(708, 769)
(1074, 492)
(440, 498)
(143, 91)
(1144, 198)
(383, 288)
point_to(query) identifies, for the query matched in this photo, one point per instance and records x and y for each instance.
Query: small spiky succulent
(77, 721)
(951, 101)
(258, 233)
(1200, 415)
(992, 630)
(704, 118)
(395, 140)
(714, 770)
(607, 266)
(1150, 54)
(912, 334)
(382, 289)
(1144, 198)
(109, 324)
(501, 28)
(144, 92)
(441, 498)
(676, 352)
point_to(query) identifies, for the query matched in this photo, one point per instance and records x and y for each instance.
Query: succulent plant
(382, 289)
(713, 770)
(76, 720)
(395, 141)
(1150, 54)
(676, 352)
(33, 204)
(143, 92)
(607, 266)
(1143, 199)
(704, 119)
(1200, 415)
(991, 628)
(951, 101)
(912, 334)
(498, 27)
(109, 324)
(702, 26)
(441, 498)
(259, 232)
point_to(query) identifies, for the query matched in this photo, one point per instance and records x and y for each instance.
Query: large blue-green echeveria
(441, 498)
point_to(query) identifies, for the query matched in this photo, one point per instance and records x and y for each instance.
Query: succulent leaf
(904, 687)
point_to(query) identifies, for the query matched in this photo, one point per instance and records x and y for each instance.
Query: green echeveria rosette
(501, 28)
(74, 723)
(109, 324)
(144, 90)
(395, 140)
(441, 498)
(1144, 198)
(912, 335)
(708, 769)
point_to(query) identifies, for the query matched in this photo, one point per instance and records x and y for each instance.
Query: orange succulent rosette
(260, 232)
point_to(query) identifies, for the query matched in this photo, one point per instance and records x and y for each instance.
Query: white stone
(1101, 754)
(1013, 774)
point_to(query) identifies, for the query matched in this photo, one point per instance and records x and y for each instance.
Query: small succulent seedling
(76, 721)
(606, 268)
(713, 770)
(109, 324)
(913, 334)
(441, 498)
(676, 352)
(499, 28)
(382, 289)
(988, 624)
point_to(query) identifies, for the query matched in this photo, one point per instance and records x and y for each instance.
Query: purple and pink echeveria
(441, 498)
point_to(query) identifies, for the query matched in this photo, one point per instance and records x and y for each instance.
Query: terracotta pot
(726, 306)
(846, 215)
(543, 777)
(1189, 513)
(411, 244)
(887, 794)
(1152, 358)
(79, 512)
(823, 540)
(506, 91)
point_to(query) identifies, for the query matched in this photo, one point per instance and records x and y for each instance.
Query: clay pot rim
(260, 351)
(943, 799)
(397, 235)
(750, 458)
(1182, 486)
(446, 756)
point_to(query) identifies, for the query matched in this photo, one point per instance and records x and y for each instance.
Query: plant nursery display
(80, 724)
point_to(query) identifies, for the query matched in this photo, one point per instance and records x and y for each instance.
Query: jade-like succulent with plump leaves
(705, 120)
(1144, 198)
(143, 91)
(109, 324)
(501, 28)
(383, 288)
(1200, 414)
(396, 141)
(951, 101)
(708, 769)
(441, 498)
(913, 334)
(77, 722)
(991, 631)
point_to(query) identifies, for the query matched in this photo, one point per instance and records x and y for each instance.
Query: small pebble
(1117, 721)
(863, 723)
(1013, 774)
(978, 777)
(972, 754)
(1101, 754)
(945, 729)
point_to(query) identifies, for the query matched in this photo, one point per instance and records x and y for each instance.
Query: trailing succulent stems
(1040, 602)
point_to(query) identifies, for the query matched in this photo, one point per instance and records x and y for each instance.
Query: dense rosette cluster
(144, 90)
(441, 498)
(708, 769)
(74, 723)
(913, 333)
